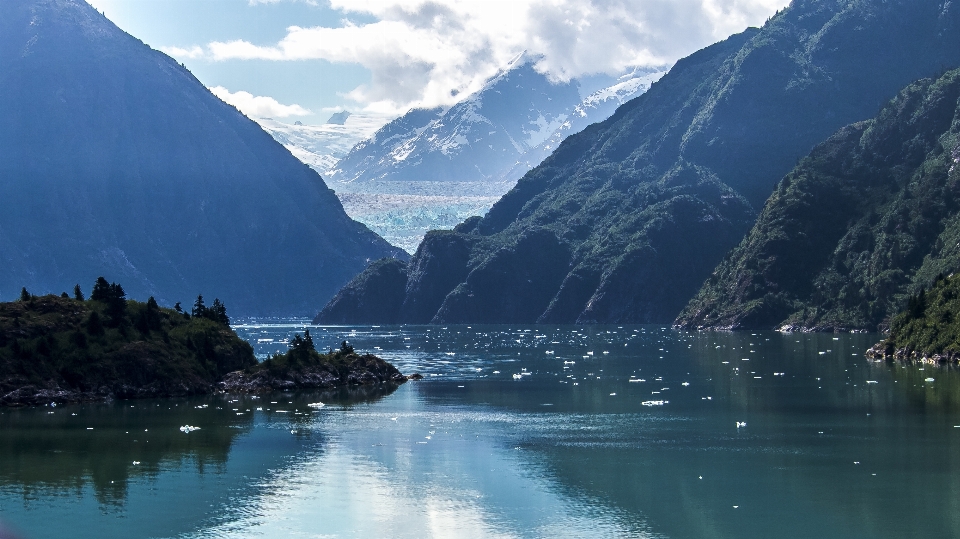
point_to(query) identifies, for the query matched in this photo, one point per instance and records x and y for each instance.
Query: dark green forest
(111, 345)
(870, 217)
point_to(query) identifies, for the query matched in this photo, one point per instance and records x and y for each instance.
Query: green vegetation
(870, 217)
(75, 349)
(303, 354)
(302, 367)
(626, 219)
(929, 327)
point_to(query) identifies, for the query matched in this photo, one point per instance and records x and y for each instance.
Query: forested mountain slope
(625, 221)
(116, 161)
(870, 217)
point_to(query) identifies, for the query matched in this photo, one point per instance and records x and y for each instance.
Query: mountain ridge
(116, 161)
(862, 223)
(647, 202)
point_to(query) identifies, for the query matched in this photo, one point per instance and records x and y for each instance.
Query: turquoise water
(605, 432)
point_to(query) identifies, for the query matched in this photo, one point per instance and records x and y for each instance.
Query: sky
(306, 59)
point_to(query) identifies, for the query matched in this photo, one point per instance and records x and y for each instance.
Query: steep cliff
(116, 161)
(634, 212)
(868, 218)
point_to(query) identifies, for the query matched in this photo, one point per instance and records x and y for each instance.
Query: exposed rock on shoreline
(357, 370)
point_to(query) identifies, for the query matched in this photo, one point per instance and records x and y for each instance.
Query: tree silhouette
(77, 293)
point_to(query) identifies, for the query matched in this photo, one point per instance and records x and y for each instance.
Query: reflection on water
(534, 431)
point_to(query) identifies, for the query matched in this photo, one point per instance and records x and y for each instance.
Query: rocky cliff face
(116, 161)
(647, 202)
(867, 219)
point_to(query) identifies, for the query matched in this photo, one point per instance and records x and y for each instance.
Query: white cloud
(182, 53)
(257, 106)
(426, 52)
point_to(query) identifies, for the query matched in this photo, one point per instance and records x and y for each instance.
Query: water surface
(605, 431)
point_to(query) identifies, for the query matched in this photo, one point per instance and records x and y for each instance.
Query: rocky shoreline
(883, 351)
(362, 370)
(365, 370)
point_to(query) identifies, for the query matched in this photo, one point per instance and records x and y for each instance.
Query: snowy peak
(493, 135)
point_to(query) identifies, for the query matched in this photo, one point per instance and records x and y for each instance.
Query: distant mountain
(116, 161)
(626, 219)
(494, 135)
(431, 169)
(868, 219)
(322, 146)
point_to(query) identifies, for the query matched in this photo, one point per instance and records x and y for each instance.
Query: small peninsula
(63, 349)
(929, 329)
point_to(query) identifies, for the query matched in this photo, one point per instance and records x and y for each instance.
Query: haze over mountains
(625, 220)
(431, 169)
(116, 161)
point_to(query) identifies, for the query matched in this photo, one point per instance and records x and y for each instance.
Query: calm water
(608, 432)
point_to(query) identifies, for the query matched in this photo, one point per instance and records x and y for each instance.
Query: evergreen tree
(101, 290)
(218, 313)
(24, 295)
(77, 293)
(198, 307)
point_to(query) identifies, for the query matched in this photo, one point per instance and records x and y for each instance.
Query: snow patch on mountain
(322, 146)
(433, 168)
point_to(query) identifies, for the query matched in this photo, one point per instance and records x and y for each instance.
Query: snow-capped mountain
(494, 135)
(321, 146)
(432, 168)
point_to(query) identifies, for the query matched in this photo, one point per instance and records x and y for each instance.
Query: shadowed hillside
(115, 160)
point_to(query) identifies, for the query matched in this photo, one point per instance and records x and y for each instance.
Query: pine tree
(77, 293)
(101, 290)
(24, 295)
(198, 307)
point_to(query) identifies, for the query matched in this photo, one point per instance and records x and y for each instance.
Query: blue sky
(305, 59)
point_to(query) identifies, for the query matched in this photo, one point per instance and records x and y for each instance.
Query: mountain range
(869, 218)
(433, 168)
(626, 220)
(116, 161)
(494, 135)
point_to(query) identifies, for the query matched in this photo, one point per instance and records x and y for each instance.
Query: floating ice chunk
(928, 379)
(871, 381)
(517, 376)
(741, 424)
(653, 403)
(685, 384)
(496, 372)
(136, 463)
(613, 394)
(186, 429)
(316, 405)
(569, 362)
